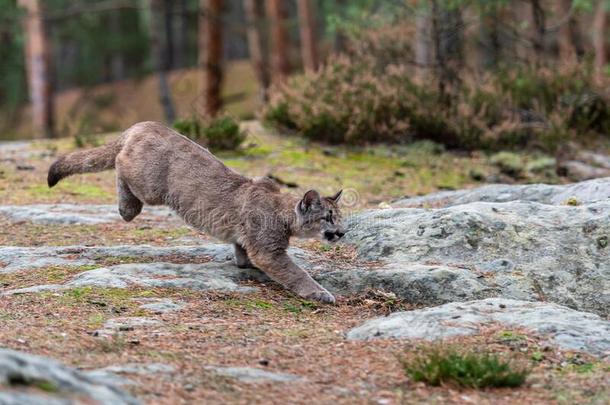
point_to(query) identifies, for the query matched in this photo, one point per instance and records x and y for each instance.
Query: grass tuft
(439, 366)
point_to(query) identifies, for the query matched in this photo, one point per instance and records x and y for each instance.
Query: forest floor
(268, 329)
(374, 175)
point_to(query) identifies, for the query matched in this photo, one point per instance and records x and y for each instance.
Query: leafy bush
(509, 163)
(386, 44)
(343, 102)
(436, 366)
(219, 133)
(370, 95)
(86, 140)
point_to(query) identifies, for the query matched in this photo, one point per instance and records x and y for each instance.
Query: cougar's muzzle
(334, 235)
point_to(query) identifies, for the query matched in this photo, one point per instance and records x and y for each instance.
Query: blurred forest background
(469, 74)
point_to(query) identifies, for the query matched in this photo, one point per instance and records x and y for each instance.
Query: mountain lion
(157, 166)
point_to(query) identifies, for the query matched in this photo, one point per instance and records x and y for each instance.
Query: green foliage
(510, 336)
(370, 95)
(584, 368)
(219, 133)
(95, 43)
(298, 306)
(261, 304)
(190, 128)
(344, 102)
(41, 384)
(509, 163)
(537, 356)
(12, 70)
(279, 115)
(588, 5)
(47, 386)
(437, 366)
(355, 15)
(86, 140)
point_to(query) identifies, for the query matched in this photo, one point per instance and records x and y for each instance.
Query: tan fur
(157, 166)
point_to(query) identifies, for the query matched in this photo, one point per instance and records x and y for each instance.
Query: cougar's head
(319, 215)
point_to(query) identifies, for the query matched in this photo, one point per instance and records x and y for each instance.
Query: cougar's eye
(329, 216)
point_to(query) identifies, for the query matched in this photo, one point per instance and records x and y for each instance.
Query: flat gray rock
(21, 398)
(140, 368)
(584, 192)
(113, 375)
(254, 375)
(219, 274)
(206, 277)
(116, 326)
(521, 250)
(413, 283)
(61, 383)
(160, 305)
(16, 150)
(563, 327)
(79, 214)
(108, 378)
(23, 258)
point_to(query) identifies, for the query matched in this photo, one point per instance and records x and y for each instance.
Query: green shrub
(220, 133)
(343, 103)
(509, 163)
(86, 140)
(279, 115)
(437, 366)
(370, 95)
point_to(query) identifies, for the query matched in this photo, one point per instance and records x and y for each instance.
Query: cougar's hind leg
(241, 257)
(129, 205)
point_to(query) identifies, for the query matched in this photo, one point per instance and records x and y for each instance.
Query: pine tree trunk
(600, 24)
(159, 55)
(422, 41)
(168, 14)
(279, 40)
(307, 27)
(491, 46)
(210, 55)
(566, 37)
(448, 41)
(38, 62)
(539, 19)
(117, 62)
(340, 39)
(257, 45)
(179, 34)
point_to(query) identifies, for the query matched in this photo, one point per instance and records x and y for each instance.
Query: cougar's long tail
(86, 161)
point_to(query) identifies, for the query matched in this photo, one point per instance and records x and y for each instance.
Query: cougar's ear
(337, 196)
(312, 197)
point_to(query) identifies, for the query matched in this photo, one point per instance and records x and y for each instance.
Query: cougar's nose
(328, 235)
(340, 234)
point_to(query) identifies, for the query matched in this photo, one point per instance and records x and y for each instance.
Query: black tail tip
(54, 175)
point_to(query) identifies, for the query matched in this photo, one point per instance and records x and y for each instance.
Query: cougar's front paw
(321, 296)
